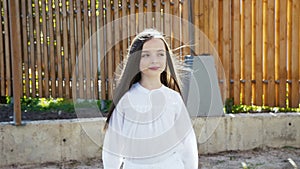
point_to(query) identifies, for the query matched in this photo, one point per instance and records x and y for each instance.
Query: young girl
(148, 126)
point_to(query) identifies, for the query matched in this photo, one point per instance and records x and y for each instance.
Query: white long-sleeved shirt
(150, 129)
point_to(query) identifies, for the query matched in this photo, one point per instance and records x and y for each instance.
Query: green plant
(244, 165)
(104, 105)
(46, 104)
(229, 103)
(61, 104)
(234, 109)
(8, 100)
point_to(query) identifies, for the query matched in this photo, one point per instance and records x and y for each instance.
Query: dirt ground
(284, 158)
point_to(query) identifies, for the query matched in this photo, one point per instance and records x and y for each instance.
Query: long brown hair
(131, 74)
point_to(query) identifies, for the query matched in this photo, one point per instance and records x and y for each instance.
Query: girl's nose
(154, 58)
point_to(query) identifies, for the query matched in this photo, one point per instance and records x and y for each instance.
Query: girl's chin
(152, 73)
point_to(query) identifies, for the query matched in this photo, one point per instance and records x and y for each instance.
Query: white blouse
(150, 129)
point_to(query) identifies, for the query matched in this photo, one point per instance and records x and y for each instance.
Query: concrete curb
(81, 139)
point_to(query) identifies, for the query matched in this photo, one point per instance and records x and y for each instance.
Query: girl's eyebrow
(160, 50)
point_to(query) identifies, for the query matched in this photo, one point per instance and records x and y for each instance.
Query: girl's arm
(111, 143)
(111, 161)
(189, 151)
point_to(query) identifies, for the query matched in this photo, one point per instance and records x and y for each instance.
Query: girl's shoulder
(170, 91)
(172, 96)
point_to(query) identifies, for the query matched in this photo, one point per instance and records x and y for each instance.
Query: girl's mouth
(153, 68)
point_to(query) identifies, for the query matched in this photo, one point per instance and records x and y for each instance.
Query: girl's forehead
(154, 44)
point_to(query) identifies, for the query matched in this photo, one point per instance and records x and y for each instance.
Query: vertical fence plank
(176, 25)
(32, 54)
(197, 16)
(25, 50)
(125, 29)
(149, 23)
(294, 102)
(226, 45)
(205, 24)
(220, 31)
(45, 50)
(72, 49)
(133, 25)
(109, 55)
(66, 60)
(212, 19)
(236, 51)
(102, 51)
(277, 50)
(167, 21)
(201, 27)
(215, 23)
(51, 46)
(258, 52)
(117, 29)
(253, 50)
(38, 48)
(220, 72)
(141, 15)
(79, 64)
(248, 54)
(185, 28)
(271, 54)
(282, 61)
(7, 51)
(58, 49)
(265, 49)
(65, 50)
(242, 52)
(289, 47)
(2, 67)
(172, 18)
(94, 52)
(157, 15)
(86, 51)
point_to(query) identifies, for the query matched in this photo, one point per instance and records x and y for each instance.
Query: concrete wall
(248, 131)
(81, 139)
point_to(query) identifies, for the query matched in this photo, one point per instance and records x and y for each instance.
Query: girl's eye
(145, 55)
(161, 54)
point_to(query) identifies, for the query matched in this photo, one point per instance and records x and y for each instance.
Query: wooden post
(15, 32)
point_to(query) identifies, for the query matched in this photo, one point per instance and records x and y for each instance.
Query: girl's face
(153, 58)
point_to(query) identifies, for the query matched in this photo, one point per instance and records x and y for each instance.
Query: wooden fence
(257, 42)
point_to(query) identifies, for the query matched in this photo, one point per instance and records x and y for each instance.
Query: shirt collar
(145, 90)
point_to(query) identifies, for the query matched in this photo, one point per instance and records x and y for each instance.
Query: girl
(148, 125)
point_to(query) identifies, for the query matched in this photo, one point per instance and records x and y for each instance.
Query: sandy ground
(284, 158)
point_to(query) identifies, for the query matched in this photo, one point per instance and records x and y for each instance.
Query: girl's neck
(150, 84)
